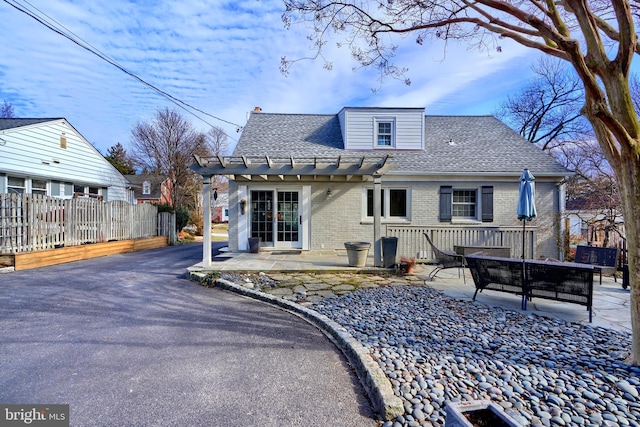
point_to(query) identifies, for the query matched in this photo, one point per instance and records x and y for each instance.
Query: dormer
(365, 128)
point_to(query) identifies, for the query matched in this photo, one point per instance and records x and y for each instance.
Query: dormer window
(385, 132)
(146, 187)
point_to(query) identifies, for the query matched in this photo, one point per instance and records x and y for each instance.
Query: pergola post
(206, 222)
(377, 205)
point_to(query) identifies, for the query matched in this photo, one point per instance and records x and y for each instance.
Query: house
(150, 188)
(316, 181)
(591, 224)
(220, 214)
(50, 157)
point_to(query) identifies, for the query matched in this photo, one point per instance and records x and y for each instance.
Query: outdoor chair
(445, 259)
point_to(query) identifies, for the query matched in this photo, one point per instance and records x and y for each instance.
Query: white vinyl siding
(359, 127)
(36, 149)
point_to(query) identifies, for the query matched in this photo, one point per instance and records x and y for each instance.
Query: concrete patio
(611, 302)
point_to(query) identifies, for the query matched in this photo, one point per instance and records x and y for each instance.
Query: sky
(222, 57)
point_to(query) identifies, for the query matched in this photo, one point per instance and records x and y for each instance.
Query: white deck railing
(413, 244)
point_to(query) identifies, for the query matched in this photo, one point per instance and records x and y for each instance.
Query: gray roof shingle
(16, 123)
(481, 144)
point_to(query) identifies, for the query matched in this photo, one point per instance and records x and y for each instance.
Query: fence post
(172, 229)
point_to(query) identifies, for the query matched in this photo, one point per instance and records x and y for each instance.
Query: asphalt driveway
(127, 340)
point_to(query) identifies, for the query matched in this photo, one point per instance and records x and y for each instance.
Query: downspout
(562, 205)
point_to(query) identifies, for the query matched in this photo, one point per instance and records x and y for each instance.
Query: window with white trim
(384, 132)
(464, 204)
(474, 204)
(39, 186)
(146, 187)
(16, 185)
(394, 203)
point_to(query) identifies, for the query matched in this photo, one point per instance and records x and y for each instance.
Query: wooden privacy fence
(31, 222)
(412, 243)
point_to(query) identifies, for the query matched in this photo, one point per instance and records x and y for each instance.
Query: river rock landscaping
(435, 349)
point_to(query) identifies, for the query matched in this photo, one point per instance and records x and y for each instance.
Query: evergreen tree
(117, 156)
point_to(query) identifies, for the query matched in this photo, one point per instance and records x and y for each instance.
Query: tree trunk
(630, 202)
(617, 129)
(625, 156)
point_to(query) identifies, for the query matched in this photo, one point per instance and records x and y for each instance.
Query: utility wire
(68, 34)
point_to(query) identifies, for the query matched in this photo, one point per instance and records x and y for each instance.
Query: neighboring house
(588, 225)
(220, 214)
(50, 157)
(151, 188)
(309, 181)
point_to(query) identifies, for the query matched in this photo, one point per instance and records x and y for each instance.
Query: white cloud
(222, 57)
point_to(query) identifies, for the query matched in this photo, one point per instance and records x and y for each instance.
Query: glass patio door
(288, 219)
(277, 224)
(262, 216)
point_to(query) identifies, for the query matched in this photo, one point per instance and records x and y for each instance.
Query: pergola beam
(222, 161)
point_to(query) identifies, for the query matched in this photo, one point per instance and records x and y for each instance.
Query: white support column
(377, 205)
(206, 223)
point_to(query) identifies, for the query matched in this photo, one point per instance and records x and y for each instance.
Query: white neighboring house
(50, 157)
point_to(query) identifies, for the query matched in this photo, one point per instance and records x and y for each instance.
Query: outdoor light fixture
(243, 205)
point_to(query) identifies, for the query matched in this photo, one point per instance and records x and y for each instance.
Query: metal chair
(445, 259)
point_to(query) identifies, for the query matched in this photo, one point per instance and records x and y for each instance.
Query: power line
(68, 34)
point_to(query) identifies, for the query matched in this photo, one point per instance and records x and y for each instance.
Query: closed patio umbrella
(526, 201)
(526, 212)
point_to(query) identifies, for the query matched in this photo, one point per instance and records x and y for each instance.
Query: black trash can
(625, 276)
(254, 244)
(389, 251)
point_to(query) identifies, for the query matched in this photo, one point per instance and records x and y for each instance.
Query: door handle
(300, 219)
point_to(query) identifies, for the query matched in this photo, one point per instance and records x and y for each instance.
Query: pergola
(298, 169)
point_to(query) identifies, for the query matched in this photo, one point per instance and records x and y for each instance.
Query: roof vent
(451, 142)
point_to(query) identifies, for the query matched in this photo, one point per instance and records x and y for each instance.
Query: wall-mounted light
(243, 205)
(329, 193)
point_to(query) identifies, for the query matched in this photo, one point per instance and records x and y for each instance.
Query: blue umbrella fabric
(526, 212)
(526, 199)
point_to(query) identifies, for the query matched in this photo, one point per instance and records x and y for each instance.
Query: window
(384, 132)
(466, 204)
(84, 191)
(39, 186)
(394, 203)
(15, 185)
(146, 187)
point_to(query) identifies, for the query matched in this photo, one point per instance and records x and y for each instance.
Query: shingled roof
(16, 123)
(453, 145)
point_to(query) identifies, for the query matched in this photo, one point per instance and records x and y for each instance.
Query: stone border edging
(376, 384)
